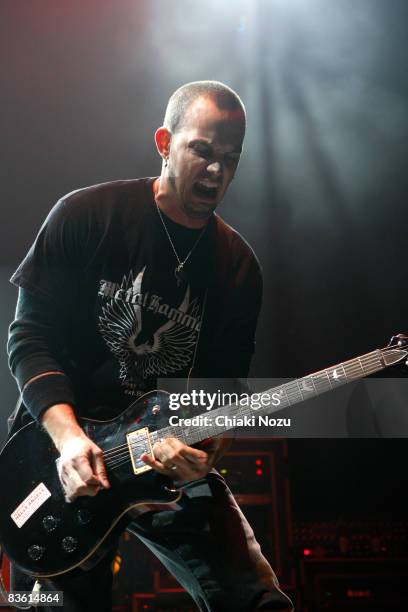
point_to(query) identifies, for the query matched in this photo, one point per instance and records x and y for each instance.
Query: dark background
(321, 189)
(320, 192)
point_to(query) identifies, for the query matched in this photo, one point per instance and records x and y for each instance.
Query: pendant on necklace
(180, 274)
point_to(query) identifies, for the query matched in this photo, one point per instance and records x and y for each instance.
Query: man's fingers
(177, 460)
(91, 468)
(193, 455)
(164, 468)
(73, 484)
(81, 468)
(181, 470)
(157, 465)
(71, 494)
(100, 470)
(164, 454)
(171, 450)
(82, 465)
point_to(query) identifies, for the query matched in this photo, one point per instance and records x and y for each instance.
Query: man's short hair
(225, 98)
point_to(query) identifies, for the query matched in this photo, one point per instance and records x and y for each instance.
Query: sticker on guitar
(30, 504)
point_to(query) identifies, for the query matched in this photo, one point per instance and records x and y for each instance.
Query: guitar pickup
(139, 442)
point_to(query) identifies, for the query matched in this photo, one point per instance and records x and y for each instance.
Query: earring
(166, 162)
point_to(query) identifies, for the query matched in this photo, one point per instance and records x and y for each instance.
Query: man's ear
(162, 138)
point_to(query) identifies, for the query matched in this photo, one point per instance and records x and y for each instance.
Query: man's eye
(203, 153)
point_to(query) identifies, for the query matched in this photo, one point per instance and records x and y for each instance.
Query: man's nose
(214, 168)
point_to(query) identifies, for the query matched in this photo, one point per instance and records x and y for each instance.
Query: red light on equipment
(307, 552)
(359, 593)
(258, 462)
(259, 472)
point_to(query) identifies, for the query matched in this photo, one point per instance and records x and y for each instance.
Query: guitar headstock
(400, 341)
(396, 350)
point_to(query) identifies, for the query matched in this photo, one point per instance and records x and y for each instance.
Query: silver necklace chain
(178, 272)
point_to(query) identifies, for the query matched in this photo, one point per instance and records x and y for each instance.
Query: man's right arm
(81, 467)
(47, 393)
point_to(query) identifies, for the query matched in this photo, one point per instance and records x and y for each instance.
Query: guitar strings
(119, 455)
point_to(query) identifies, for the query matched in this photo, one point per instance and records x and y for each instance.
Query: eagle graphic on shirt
(167, 350)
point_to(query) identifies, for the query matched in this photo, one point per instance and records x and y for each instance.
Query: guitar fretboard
(283, 396)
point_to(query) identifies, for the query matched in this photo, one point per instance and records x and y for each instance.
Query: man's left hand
(179, 461)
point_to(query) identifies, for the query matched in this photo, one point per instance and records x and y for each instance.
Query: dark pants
(206, 543)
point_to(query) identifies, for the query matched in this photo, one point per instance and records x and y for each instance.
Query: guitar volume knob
(50, 523)
(69, 544)
(35, 552)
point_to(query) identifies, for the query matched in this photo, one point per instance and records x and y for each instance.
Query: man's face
(204, 155)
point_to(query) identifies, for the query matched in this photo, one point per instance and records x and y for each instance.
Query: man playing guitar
(131, 280)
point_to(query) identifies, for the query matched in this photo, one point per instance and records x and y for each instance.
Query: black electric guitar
(46, 536)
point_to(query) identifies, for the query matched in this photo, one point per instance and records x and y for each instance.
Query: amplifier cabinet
(256, 470)
(163, 602)
(371, 585)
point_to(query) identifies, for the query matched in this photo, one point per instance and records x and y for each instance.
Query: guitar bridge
(139, 442)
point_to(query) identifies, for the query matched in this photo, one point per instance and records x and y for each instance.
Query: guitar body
(46, 536)
(58, 536)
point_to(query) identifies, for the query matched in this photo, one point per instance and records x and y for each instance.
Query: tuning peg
(399, 339)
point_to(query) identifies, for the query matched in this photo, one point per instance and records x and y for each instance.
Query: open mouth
(205, 190)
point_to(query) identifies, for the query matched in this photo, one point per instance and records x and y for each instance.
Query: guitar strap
(17, 419)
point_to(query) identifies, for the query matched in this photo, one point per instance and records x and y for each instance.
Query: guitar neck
(224, 418)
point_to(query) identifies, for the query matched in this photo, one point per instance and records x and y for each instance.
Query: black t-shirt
(103, 268)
